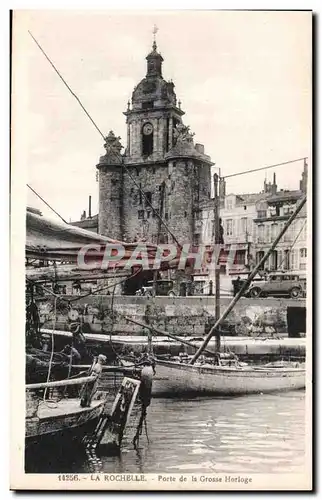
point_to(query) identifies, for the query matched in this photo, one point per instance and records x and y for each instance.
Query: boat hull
(178, 379)
(69, 419)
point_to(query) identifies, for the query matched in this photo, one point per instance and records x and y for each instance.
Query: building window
(288, 234)
(288, 210)
(261, 214)
(141, 214)
(229, 227)
(287, 260)
(294, 263)
(229, 204)
(261, 228)
(244, 221)
(303, 253)
(274, 230)
(240, 257)
(279, 258)
(147, 105)
(259, 256)
(148, 198)
(274, 259)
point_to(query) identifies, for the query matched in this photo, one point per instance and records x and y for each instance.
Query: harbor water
(249, 434)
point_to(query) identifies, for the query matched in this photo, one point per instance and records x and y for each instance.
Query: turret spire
(154, 58)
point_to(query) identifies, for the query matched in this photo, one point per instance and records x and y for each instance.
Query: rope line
(51, 208)
(265, 168)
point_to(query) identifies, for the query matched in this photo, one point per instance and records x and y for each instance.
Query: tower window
(147, 139)
(147, 105)
(140, 194)
(148, 198)
(141, 214)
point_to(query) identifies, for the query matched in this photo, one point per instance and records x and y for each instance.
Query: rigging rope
(51, 208)
(52, 348)
(265, 168)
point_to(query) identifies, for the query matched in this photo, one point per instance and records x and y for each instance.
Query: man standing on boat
(90, 388)
(148, 370)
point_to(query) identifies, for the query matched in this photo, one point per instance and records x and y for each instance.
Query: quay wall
(180, 315)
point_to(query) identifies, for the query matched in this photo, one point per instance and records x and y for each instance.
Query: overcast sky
(244, 79)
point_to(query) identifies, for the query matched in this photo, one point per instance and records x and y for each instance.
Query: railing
(61, 383)
(50, 393)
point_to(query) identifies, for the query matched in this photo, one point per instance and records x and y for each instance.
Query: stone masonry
(160, 161)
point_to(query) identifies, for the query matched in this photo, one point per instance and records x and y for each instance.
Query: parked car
(289, 284)
(163, 287)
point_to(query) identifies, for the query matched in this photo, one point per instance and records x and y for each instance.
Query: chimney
(90, 207)
(303, 181)
(274, 185)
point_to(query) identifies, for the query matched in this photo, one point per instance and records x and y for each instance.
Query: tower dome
(153, 91)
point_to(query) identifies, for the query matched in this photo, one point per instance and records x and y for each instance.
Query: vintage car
(285, 283)
(162, 287)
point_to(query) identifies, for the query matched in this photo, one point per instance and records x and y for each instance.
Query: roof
(285, 196)
(242, 199)
(88, 222)
(33, 210)
(252, 198)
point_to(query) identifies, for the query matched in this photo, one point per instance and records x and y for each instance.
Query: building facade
(272, 214)
(251, 222)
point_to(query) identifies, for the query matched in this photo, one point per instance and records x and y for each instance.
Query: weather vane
(154, 31)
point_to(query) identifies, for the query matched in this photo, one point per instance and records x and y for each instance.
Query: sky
(243, 77)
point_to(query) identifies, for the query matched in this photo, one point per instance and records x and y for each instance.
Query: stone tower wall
(181, 180)
(139, 221)
(110, 217)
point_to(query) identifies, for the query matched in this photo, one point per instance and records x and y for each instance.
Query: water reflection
(258, 433)
(262, 433)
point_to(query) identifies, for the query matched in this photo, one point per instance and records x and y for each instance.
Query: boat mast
(217, 268)
(247, 282)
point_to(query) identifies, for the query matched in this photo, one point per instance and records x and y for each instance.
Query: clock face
(147, 129)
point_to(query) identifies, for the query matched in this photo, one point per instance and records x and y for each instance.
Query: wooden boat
(177, 379)
(61, 417)
(240, 345)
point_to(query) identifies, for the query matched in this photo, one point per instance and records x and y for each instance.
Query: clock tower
(153, 115)
(171, 173)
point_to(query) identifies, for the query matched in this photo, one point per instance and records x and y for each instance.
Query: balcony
(271, 218)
